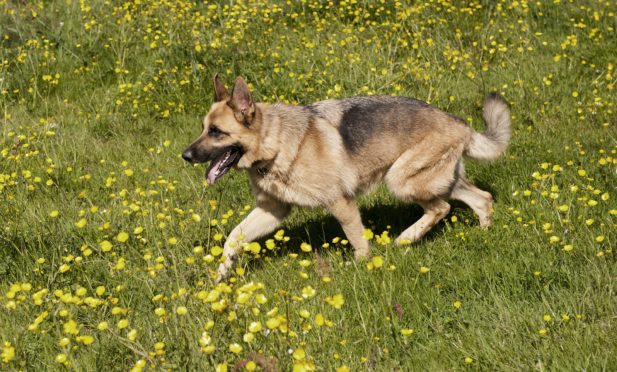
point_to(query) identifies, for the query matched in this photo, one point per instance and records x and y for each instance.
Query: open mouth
(222, 163)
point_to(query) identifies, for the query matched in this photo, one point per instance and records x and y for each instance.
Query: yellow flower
(248, 337)
(71, 327)
(60, 358)
(299, 354)
(243, 298)
(337, 301)
(64, 268)
(181, 310)
(102, 326)
(367, 234)
(308, 292)
(100, 290)
(160, 311)
(86, 339)
(81, 223)
(105, 246)
(122, 237)
(279, 235)
(305, 247)
(563, 208)
(543, 332)
(424, 269)
(139, 365)
(120, 264)
(270, 244)
(8, 352)
(377, 261)
(255, 327)
(253, 247)
(273, 323)
(303, 366)
(54, 214)
(406, 331)
(216, 250)
(468, 360)
(123, 323)
(235, 348)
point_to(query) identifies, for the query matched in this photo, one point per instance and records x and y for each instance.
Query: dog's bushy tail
(492, 143)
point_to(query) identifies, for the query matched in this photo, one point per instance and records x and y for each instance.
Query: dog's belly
(312, 190)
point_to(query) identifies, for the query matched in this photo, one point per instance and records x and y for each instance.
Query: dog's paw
(485, 223)
(223, 272)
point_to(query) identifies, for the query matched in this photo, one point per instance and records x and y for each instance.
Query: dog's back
(375, 131)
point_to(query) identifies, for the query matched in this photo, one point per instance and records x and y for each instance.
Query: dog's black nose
(188, 155)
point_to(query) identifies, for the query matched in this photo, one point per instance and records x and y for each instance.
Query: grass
(109, 241)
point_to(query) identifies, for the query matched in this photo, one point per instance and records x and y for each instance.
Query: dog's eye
(213, 131)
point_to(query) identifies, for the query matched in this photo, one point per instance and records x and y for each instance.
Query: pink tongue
(211, 176)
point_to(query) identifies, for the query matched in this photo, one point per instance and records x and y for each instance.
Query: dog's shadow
(394, 218)
(317, 228)
(380, 214)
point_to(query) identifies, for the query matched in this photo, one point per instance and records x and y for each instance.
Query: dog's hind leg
(434, 211)
(345, 210)
(262, 220)
(480, 201)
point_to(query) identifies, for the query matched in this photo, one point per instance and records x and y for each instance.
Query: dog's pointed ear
(241, 102)
(220, 92)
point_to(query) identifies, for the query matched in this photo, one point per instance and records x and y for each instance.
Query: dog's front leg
(345, 210)
(262, 220)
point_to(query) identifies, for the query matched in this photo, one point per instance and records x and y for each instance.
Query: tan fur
(325, 154)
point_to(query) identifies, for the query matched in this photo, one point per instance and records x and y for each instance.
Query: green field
(109, 241)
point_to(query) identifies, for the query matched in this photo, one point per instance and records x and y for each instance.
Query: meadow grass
(109, 241)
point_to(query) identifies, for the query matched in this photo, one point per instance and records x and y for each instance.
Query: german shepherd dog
(326, 153)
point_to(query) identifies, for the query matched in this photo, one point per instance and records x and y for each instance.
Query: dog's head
(228, 131)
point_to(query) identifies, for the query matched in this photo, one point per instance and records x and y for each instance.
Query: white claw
(223, 270)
